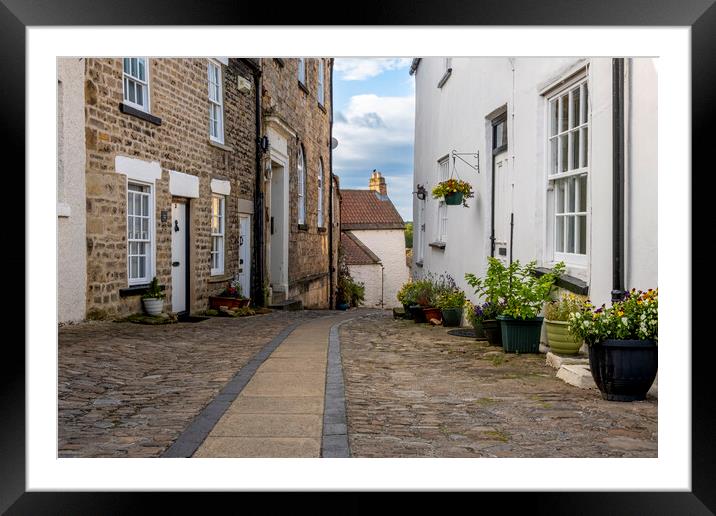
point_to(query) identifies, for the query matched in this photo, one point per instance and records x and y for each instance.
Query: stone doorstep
(580, 376)
(556, 361)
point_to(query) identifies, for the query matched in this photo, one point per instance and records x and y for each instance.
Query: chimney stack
(377, 183)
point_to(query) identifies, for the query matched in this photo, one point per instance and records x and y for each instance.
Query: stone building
(373, 242)
(171, 162)
(300, 239)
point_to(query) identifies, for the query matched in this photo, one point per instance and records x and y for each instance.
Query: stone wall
(298, 108)
(71, 225)
(178, 96)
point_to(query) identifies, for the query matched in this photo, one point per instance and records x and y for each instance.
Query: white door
(245, 254)
(179, 261)
(503, 207)
(278, 230)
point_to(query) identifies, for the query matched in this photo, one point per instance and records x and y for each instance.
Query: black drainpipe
(617, 179)
(331, 303)
(258, 277)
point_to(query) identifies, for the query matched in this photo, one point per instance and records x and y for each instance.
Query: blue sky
(373, 121)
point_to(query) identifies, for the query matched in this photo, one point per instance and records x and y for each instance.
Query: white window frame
(148, 241)
(443, 175)
(302, 70)
(301, 186)
(219, 236)
(319, 215)
(567, 181)
(128, 78)
(321, 89)
(216, 105)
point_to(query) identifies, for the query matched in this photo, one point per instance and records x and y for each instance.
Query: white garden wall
(371, 277)
(389, 246)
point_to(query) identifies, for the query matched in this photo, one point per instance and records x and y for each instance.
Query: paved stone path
(280, 412)
(414, 391)
(129, 390)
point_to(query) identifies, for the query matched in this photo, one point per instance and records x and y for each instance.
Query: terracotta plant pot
(432, 313)
(232, 303)
(624, 369)
(559, 339)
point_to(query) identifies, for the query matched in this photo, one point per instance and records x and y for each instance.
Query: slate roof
(355, 251)
(367, 209)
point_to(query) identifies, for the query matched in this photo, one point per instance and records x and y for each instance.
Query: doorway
(245, 254)
(278, 231)
(501, 191)
(180, 257)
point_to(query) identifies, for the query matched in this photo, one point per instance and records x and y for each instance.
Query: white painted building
(546, 133)
(373, 242)
(71, 219)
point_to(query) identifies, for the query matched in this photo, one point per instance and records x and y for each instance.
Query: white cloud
(351, 69)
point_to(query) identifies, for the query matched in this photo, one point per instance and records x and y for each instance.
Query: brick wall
(178, 96)
(309, 255)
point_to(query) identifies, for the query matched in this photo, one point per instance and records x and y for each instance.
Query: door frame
(248, 242)
(187, 272)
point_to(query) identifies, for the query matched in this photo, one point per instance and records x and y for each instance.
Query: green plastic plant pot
(453, 199)
(559, 339)
(520, 335)
(452, 316)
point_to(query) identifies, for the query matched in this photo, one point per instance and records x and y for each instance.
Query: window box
(232, 303)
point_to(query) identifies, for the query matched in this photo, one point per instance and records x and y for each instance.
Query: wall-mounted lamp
(264, 144)
(421, 192)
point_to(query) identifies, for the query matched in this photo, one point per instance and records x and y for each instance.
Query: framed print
(227, 197)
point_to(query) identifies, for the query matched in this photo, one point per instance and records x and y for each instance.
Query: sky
(373, 121)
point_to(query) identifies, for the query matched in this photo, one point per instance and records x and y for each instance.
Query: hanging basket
(454, 199)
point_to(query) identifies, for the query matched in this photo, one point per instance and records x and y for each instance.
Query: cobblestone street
(128, 390)
(414, 391)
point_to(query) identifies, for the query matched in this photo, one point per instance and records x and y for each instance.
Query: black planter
(408, 313)
(452, 316)
(623, 369)
(493, 331)
(417, 313)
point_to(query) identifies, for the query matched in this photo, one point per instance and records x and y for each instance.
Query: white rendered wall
(389, 246)
(71, 233)
(370, 276)
(454, 118)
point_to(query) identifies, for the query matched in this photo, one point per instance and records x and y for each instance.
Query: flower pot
(451, 316)
(408, 313)
(417, 312)
(342, 306)
(453, 199)
(480, 332)
(232, 303)
(559, 339)
(431, 312)
(623, 369)
(493, 331)
(153, 305)
(520, 335)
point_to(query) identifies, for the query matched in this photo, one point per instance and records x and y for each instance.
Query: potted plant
(493, 289)
(622, 341)
(231, 297)
(556, 323)
(153, 298)
(450, 304)
(526, 293)
(455, 191)
(407, 297)
(423, 294)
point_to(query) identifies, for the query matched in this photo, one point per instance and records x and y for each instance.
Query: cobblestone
(128, 390)
(414, 391)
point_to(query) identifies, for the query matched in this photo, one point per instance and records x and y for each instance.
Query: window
(217, 234)
(302, 70)
(136, 83)
(321, 93)
(301, 187)
(444, 174)
(320, 193)
(568, 171)
(499, 134)
(216, 108)
(139, 233)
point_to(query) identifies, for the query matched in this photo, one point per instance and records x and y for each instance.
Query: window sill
(136, 290)
(129, 110)
(566, 281)
(220, 145)
(303, 87)
(321, 107)
(437, 245)
(280, 61)
(220, 278)
(303, 227)
(321, 230)
(445, 77)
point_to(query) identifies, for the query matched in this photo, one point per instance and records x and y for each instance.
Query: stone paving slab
(293, 364)
(268, 425)
(259, 447)
(129, 390)
(414, 391)
(286, 384)
(277, 404)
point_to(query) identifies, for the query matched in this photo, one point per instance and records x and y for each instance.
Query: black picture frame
(700, 15)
